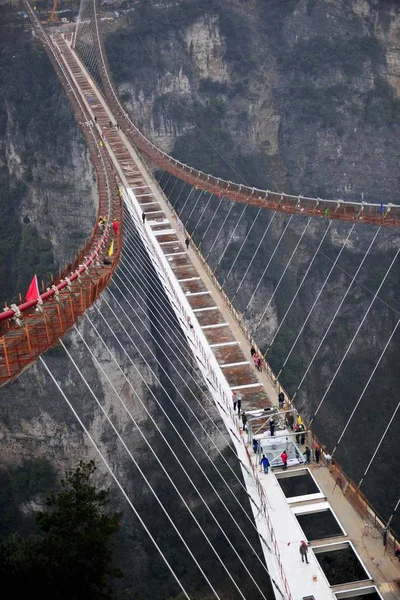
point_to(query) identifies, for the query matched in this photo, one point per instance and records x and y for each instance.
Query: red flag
(33, 291)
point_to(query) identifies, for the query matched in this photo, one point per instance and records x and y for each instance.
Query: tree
(72, 557)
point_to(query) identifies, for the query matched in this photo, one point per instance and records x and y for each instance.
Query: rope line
(254, 255)
(135, 462)
(230, 237)
(317, 297)
(337, 312)
(154, 396)
(179, 412)
(192, 394)
(267, 266)
(232, 204)
(241, 248)
(379, 445)
(300, 286)
(356, 333)
(115, 478)
(365, 387)
(282, 275)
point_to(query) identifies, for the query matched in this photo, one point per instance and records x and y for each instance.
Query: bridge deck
(231, 350)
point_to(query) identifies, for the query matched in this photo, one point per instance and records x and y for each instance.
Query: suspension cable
(337, 312)
(299, 287)
(356, 333)
(193, 208)
(380, 444)
(365, 387)
(254, 255)
(184, 380)
(317, 297)
(211, 220)
(230, 237)
(283, 274)
(266, 267)
(157, 312)
(115, 478)
(154, 396)
(205, 207)
(241, 248)
(176, 408)
(232, 204)
(162, 467)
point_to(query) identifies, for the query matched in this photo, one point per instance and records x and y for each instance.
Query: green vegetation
(72, 556)
(36, 124)
(318, 55)
(22, 484)
(382, 107)
(309, 64)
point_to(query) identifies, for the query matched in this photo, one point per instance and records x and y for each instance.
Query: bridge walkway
(230, 347)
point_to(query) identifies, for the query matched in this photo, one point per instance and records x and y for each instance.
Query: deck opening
(340, 563)
(364, 593)
(298, 485)
(319, 524)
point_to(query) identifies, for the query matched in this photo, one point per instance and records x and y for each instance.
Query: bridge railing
(362, 212)
(28, 330)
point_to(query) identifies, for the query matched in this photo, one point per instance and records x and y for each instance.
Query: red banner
(33, 291)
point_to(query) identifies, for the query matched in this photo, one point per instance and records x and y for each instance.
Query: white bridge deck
(223, 356)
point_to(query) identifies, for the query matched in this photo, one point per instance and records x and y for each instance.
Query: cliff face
(48, 192)
(138, 357)
(300, 96)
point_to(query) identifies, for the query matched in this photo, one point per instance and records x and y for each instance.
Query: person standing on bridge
(304, 551)
(307, 454)
(115, 226)
(281, 399)
(187, 242)
(284, 459)
(265, 463)
(255, 445)
(290, 421)
(244, 420)
(272, 426)
(144, 217)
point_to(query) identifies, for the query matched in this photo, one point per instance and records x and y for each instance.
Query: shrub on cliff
(72, 557)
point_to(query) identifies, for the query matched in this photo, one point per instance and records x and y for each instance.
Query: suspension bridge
(155, 234)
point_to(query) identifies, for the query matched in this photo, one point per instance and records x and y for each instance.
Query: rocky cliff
(300, 96)
(47, 186)
(296, 95)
